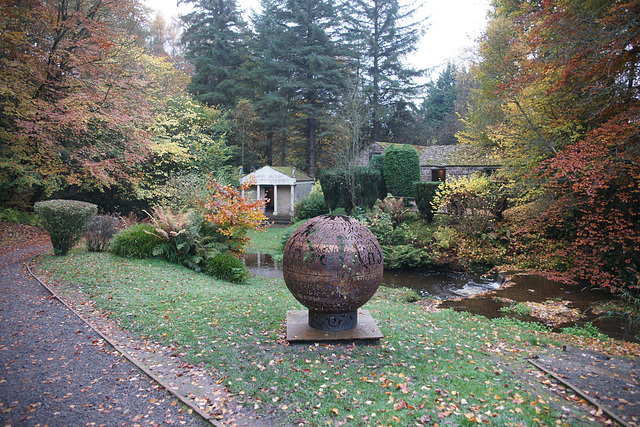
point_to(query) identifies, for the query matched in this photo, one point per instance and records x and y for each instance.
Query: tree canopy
(558, 97)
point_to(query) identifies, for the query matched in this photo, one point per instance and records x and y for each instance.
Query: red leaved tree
(596, 184)
(559, 98)
(587, 54)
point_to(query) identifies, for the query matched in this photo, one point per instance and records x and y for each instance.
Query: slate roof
(450, 155)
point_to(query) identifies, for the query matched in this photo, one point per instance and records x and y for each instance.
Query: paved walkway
(56, 371)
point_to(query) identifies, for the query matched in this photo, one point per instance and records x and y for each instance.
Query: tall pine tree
(215, 39)
(299, 63)
(382, 33)
(438, 110)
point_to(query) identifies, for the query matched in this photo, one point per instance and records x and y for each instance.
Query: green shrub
(424, 193)
(411, 295)
(396, 208)
(227, 267)
(12, 215)
(66, 221)
(380, 225)
(401, 168)
(310, 207)
(333, 188)
(376, 163)
(339, 211)
(521, 309)
(400, 256)
(137, 241)
(368, 183)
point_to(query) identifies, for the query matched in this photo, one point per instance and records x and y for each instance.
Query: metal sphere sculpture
(333, 265)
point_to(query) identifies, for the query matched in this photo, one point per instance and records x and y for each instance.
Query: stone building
(440, 162)
(282, 186)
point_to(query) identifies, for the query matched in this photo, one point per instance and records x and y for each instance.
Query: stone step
(279, 219)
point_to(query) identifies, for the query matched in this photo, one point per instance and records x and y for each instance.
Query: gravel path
(56, 371)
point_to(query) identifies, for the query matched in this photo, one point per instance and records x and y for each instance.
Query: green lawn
(444, 366)
(269, 241)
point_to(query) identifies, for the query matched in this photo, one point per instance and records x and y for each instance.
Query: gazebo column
(292, 200)
(258, 196)
(275, 199)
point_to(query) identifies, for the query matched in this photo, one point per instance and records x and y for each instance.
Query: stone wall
(454, 172)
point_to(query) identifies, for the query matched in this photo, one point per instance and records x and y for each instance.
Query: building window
(438, 175)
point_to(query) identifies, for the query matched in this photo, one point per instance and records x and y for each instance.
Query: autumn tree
(189, 146)
(558, 95)
(232, 213)
(74, 99)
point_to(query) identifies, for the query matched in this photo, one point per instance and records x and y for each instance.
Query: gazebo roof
(293, 173)
(276, 175)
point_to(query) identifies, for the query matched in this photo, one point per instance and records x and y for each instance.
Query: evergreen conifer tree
(215, 39)
(382, 33)
(298, 63)
(438, 111)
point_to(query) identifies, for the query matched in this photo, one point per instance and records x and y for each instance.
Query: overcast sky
(453, 27)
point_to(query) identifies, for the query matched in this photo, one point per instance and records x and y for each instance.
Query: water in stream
(428, 284)
(475, 294)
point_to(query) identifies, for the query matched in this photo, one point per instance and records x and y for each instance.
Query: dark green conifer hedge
(424, 194)
(401, 167)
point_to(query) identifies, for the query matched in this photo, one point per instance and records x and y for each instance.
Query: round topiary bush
(66, 221)
(137, 241)
(225, 266)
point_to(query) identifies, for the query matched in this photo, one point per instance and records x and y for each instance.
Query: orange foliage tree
(234, 214)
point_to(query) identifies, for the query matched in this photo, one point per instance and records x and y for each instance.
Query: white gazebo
(281, 186)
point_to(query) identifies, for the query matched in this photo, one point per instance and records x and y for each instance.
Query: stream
(483, 296)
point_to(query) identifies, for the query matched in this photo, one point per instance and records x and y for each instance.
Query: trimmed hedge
(376, 163)
(333, 188)
(369, 182)
(424, 195)
(401, 168)
(336, 194)
(66, 221)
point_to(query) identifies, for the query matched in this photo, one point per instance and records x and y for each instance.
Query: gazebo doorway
(268, 195)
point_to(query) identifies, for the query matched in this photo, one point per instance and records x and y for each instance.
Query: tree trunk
(311, 145)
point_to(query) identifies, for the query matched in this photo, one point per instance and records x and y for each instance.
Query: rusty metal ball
(332, 264)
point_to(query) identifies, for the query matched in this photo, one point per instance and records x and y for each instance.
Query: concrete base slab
(299, 331)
